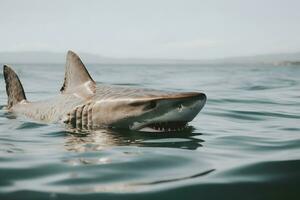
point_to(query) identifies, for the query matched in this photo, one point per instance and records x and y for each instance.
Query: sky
(173, 29)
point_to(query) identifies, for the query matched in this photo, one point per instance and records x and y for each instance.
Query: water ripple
(243, 145)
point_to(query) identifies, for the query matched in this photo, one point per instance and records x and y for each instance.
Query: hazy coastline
(48, 57)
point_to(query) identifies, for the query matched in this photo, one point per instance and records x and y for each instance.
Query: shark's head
(126, 107)
(146, 110)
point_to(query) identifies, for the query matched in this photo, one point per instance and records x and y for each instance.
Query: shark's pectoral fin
(77, 78)
(14, 88)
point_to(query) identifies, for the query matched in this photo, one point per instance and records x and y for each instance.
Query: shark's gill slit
(79, 117)
(90, 117)
(84, 117)
(73, 118)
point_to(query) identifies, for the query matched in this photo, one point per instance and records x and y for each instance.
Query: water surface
(244, 144)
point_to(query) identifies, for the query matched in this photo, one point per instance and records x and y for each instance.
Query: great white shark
(83, 105)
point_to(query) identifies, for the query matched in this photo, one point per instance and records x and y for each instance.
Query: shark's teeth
(168, 126)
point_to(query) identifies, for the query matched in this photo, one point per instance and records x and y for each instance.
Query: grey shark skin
(84, 105)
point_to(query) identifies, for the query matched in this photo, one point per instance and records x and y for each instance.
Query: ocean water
(244, 144)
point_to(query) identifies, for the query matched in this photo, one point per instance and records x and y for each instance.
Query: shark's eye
(151, 105)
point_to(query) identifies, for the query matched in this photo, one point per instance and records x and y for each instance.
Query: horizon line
(153, 58)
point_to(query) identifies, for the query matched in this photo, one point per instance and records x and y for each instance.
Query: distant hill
(276, 59)
(59, 58)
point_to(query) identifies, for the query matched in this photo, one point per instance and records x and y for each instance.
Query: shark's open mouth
(165, 126)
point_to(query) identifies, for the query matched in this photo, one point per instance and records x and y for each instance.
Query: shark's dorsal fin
(77, 78)
(14, 88)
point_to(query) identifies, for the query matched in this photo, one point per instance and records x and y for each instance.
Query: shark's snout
(183, 108)
(171, 114)
(202, 97)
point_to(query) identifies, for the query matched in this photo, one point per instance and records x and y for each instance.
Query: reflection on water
(99, 139)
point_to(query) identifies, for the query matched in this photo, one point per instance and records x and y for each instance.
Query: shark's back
(106, 92)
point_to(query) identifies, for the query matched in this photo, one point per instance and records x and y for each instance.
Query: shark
(82, 104)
